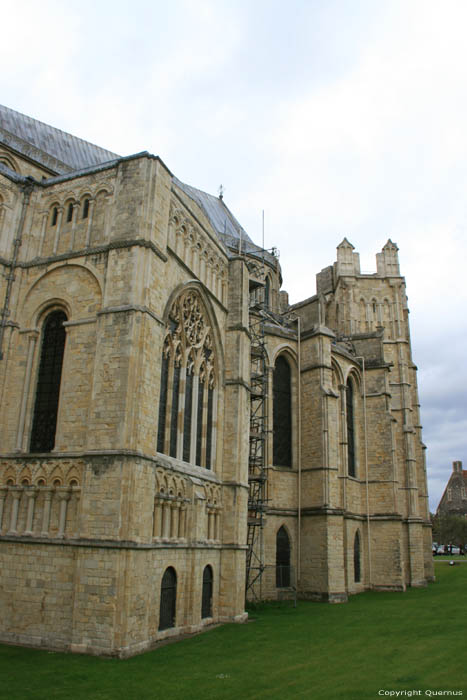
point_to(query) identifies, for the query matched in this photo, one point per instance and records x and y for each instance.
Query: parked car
(442, 549)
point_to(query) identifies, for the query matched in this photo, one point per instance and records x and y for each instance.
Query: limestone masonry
(172, 430)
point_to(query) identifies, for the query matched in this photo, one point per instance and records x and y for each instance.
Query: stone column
(16, 492)
(58, 229)
(45, 216)
(63, 497)
(48, 491)
(32, 339)
(31, 494)
(182, 521)
(73, 224)
(3, 494)
(156, 524)
(90, 213)
(173, 519)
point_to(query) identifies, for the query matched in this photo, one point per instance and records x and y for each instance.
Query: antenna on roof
(221, 191)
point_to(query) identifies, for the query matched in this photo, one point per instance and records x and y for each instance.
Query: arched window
(349, 396)
(44, 422)
(188, 393)
(54, 216)
(168, 605)
(356, 558)
(69, 213)
(85, 213)
(282, 414)
(282, 559)
(206, 604)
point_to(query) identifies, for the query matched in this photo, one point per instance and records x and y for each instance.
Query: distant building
(172, 431)
(454, 499)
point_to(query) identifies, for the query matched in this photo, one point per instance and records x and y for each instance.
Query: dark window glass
(187, 416)
(174, 413)
(206, 604)
(209, 428)
(199, 427)
(168, 599)
(356, 558)
(267, 293)
(44, 422)
(163, 403)
(282, 414)
(85, 208)
(69, 214)
(282, 559)
(350, 429)
(54, 216)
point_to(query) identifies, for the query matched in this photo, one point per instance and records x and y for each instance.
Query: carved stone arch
(40, 478)
(337, 374)
(73, 475)
(61, 278)
(9, 476)
(56, 477)
(354, 375)
(25, 476)
(289, 353)
(10, 162)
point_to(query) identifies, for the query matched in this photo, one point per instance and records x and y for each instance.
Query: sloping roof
(53, 148)
(221, 218)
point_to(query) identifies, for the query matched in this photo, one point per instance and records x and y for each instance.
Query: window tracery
(188, 393)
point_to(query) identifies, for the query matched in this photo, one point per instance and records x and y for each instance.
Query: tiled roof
(53, 148)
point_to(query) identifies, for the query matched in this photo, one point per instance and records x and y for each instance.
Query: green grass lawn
(378, 641)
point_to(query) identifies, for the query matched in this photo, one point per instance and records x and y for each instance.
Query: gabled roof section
(224, 223)
(54, 149)
(220, 217)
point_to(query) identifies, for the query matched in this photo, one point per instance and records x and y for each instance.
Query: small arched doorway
(206, 603)
(282, 559)
(168, 599)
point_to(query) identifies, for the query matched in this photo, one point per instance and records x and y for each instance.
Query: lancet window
(350, 429)
(188, 393)
(356, 558)
(282, 414)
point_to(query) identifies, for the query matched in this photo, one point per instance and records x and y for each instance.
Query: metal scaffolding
(257, 472)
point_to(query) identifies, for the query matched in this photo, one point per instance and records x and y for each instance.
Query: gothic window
(44, 422)
(206, 603)
(349, 396)
(168, 599)
(356, 558)
(282, 414)
(282, 559)
(188, 393)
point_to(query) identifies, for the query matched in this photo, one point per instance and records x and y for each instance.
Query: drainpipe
(27, 189)
(299, 455)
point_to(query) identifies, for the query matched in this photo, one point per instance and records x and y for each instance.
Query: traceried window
(188, 393)
(282, 414)
(349, 396)
(44, 422)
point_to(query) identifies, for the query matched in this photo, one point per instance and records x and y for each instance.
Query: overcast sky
(337, 118)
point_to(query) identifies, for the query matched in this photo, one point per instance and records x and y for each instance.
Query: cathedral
(175, 437)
